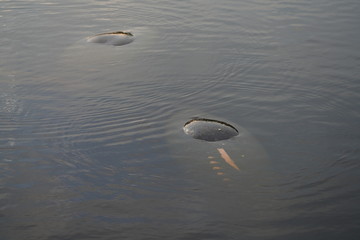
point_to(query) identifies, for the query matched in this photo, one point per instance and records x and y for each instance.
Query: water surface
(91, 141)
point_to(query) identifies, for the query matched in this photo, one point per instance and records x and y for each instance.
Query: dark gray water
(91, 141)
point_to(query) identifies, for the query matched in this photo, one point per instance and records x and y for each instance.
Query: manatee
(227, 178)
(118, 38)
(196, 138)
(209, 129)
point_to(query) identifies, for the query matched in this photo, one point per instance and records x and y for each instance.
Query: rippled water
(91, 141)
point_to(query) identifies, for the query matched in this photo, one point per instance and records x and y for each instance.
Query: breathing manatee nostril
(209, 129)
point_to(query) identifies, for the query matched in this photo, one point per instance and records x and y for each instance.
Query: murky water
(91, 140)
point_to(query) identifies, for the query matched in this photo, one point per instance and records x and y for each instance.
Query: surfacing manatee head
(113, 38)
(209, 129)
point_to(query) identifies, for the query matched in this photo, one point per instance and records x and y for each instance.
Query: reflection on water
(91, 139)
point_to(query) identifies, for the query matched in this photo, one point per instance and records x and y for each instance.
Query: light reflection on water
(91, 144)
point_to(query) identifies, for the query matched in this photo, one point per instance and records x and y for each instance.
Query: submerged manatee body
(231, 177)
(99, 52)
(113, 38)
(232, 166)
(194, 141)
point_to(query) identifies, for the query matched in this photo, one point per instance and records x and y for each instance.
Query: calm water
(91, 145)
